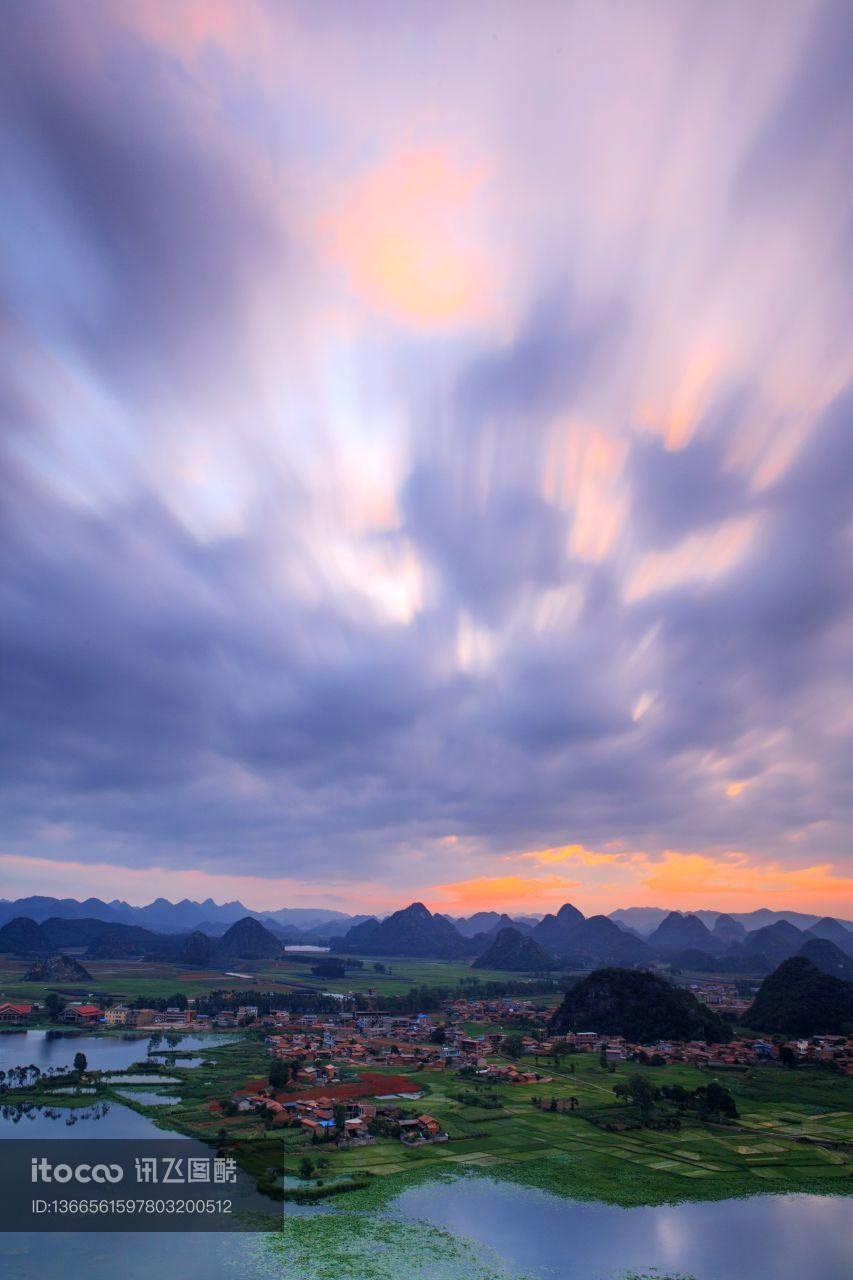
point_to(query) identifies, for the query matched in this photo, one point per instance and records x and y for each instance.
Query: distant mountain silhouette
(514, 950)
(196, 950)
(479, 922)
(161, 915)
(414, 931)
(125, 940)
(833, 931)
(481, 941)
(726, 930)
(646, 919)
(554, 932)
(777, 941)
(248, 939)
(827, 957)
(679, 933)
(23, 937)
(600, 940)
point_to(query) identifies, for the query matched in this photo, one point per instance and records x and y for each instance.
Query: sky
(427, 465)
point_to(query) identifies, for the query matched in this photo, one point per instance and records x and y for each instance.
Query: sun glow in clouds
(411, 243)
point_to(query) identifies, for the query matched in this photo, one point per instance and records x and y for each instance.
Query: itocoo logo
(43, 1171)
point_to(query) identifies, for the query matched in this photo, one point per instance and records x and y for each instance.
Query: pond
(103, 1053)
(100, 1120)
(148, 1099)
(130, 1078)
(173, 1062)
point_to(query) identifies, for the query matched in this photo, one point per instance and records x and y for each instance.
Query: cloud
(693, 878)
(391, 451)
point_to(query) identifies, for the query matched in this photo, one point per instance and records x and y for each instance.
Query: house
(117, 1016)
(15, 1012)
(173, 1017)
(140, 1017)
(83, 1014)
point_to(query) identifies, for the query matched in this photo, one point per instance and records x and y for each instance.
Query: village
(331, 1094)
(321, 1050)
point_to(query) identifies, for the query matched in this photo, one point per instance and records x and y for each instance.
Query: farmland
(127, 980)
(788, 1137)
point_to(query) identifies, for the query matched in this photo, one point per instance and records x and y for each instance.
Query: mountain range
(204, 933)
(163, 916)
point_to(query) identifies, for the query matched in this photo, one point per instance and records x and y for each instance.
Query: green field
(791, 1134)
(136, 979)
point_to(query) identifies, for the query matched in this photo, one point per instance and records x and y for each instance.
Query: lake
(103, 1053)
(535, 1235)
(793, 1237)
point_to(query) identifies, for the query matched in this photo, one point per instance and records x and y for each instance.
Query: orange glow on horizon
(674, 880)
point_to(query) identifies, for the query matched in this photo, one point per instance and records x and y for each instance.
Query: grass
(563, 1152)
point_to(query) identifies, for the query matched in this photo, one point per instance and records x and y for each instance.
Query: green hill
(638, 1005)
(798, 1000)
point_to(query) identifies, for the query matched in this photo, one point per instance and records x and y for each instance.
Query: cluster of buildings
(723, 995)
(84, 1014)
(313, 1043)
(347, 1121)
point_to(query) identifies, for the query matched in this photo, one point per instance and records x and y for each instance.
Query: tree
(54, 1004)
(513, 1046)
(80, 1063)
(642, 1094)
(306, 1168)
(339, 1112)
(787, 1056)
(438, 1036)
(718, 1100)
(279, 1073)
